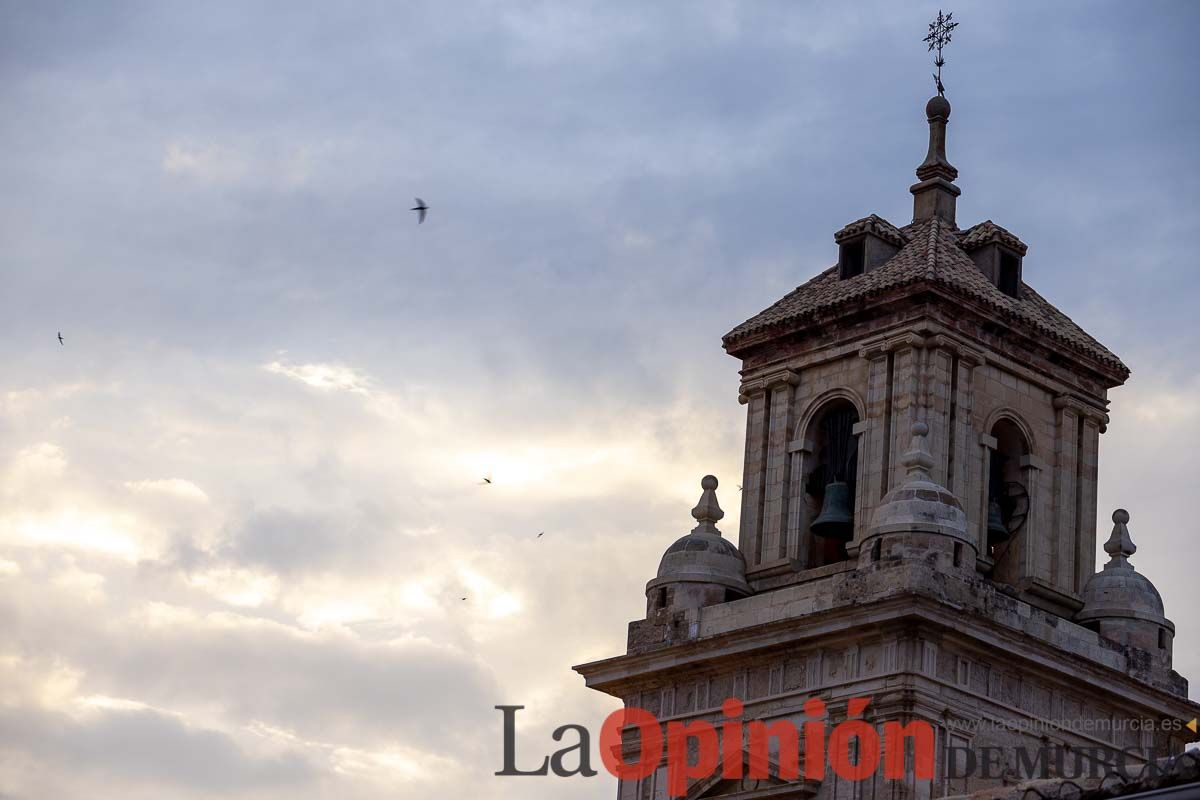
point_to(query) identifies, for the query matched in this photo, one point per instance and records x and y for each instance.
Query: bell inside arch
(997, 531)
(836, 520)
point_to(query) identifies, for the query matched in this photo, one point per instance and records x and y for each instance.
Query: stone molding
(1065, 402)
(764, 383)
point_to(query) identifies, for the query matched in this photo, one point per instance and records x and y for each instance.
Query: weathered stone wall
(940, 677)
(962, 393)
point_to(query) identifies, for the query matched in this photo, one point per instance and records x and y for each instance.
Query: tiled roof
(988, 231)
(872, 224)
(933, 254)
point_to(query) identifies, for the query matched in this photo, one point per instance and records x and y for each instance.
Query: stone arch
(1006, 414)
(1013, 444)
(817, 406)
(820, 462)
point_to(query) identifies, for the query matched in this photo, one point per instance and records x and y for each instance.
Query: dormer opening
(997, 253)
(866, 244)
(1008, 280)
(853, 258)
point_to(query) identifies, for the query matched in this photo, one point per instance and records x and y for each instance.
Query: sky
(241, 505)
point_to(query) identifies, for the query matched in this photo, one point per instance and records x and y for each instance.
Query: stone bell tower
(918, 520)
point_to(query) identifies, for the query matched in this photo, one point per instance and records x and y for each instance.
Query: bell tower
(932, 323)
(918, 523)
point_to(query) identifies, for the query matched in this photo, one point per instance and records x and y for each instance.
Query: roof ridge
(931, 264)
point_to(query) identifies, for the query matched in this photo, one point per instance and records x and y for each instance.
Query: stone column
(906, 386)
(781, 395)
(873, 453)
(1036, 555)
(1094, 424)
(965, 448)
(938, 404)
(980, 486)
(864, 505)
(765, 475)
(951, 430)
(801, 454)
(753, 472)
(1066, 469)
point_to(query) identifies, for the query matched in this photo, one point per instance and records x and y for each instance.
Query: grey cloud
(613, 186)
(148, 746)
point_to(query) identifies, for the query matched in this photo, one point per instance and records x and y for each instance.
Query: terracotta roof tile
(988, 231)
(875, 225)
(933, 254)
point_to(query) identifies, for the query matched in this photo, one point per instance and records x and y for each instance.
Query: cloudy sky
(240, 507)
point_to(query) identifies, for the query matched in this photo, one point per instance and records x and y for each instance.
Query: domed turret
(702, 568)
(919, 516)
(1121, 604)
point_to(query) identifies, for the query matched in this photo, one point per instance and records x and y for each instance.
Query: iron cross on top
(937, 38)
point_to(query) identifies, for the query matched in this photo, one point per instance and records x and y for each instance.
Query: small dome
(920, 504)
(1119, 590)
(938, 106)
(704, 556)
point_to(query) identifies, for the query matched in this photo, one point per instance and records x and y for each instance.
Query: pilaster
(1093, 425)
(781, 395)
(766, 473)
(1066, 502)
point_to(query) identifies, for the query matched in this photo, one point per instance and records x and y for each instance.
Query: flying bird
(487, 480)
(420, 208)
(540, 535)
(464, 598)
(60, 339)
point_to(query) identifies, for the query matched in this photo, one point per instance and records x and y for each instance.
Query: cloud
(327, 377)
(143, 745)
(222, 165)
(239, 510)
(173, 487)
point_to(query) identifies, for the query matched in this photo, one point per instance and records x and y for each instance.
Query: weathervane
(939, 36)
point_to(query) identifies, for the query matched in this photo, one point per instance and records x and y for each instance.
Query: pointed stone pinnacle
(707, 512)
(1119, 545)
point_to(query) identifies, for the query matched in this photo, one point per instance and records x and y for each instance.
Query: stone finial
(917, 459)
(936, 165)
(1119, 545)
(936, 194)
(707, 512)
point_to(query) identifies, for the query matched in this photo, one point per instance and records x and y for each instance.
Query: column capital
(1032, 462)
(1090, 413)
(800, 446)
(766, 382)
(902, 341)
(969, 355)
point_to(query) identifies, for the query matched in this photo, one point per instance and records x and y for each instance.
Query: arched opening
(830, 486)
(1008, 498)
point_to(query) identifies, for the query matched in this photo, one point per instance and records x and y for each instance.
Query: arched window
(1008, 498)
(831, 484)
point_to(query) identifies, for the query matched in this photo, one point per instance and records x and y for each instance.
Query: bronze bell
(997, 531)
(836, 520)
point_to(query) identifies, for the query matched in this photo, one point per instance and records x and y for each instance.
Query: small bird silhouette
(464, 598)
(60, 339)
(487, 480)
(420, 208)
(540, 535)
